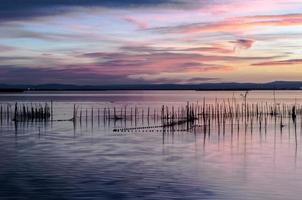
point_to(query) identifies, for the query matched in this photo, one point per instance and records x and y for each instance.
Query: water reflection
(231, 133)
(139, 158)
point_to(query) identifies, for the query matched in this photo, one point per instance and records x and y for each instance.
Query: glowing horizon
(152, 41)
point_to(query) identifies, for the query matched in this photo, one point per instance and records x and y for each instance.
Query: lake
(96, 158)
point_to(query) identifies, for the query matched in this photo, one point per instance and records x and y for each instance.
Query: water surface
(58, 160)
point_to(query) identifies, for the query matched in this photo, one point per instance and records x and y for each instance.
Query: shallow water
(58, 160)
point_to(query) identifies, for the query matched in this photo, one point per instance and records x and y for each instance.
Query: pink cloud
(139, 23)
(238, 7)
(168, 62)
(211, 49)
(4, 48)
(238, 24)
(280, 63)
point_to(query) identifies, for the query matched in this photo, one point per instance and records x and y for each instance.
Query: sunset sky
(102, 42)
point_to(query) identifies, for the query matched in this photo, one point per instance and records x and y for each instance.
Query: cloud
(235, 25)
(161, 61)
(5, 48)
(119, 39)
(18, 32)
(243, 44)
(214, 48)
(120, 67)
(154, 63)
(280, 63)
(201, 79)
(75, 74)
(210, 49)
(126, 62)
(24, 75)
(251, 6)
(14, 58)
(163, 78)
(140, 24)
(11, 10)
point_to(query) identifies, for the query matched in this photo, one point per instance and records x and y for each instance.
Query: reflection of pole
(16, 127)
(1, 113)
(51, 105)
(296, 139)
(16, 112)
(245, 108)
(245, 102)
(274, 93)
(204, 139)
(275, 141)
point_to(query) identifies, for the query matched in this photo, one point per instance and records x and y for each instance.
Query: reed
(28, 112)
(188, 116)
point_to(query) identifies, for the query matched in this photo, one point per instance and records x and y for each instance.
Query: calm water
(58, 160)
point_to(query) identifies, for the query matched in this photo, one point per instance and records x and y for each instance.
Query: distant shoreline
(4, 90)
(228, 86)
(7, 91)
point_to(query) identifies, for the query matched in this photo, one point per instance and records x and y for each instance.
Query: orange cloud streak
(280, 63)
(239, 24)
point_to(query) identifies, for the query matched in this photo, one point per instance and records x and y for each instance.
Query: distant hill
(276, 85)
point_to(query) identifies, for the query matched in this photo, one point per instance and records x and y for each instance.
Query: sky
(104, 42)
